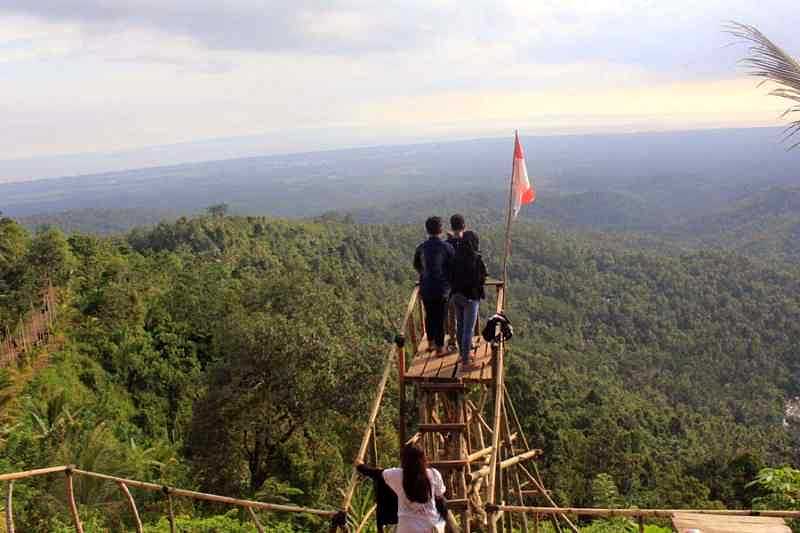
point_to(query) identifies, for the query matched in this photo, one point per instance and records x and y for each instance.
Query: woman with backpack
(468, 274)
(421, 507)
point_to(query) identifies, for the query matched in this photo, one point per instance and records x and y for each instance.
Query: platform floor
(426, 366)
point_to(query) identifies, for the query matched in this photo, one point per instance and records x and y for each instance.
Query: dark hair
(416, 484)
(470, 241)
(433, 225)
(457, 222)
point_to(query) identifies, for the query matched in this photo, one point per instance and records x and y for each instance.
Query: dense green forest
(237, 354)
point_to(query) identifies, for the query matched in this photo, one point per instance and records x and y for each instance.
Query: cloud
(276, 26)
(95, 75)
(679, 37)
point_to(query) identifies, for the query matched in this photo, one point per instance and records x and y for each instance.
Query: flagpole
(507, 251)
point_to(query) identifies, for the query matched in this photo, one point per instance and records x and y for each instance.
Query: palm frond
(770, 63)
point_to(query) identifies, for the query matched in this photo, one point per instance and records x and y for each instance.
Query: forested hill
(236, 355)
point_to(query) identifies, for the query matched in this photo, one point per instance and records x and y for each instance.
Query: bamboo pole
(546, 494)
(9, 507)
(401, 379)
(366, 518)
(73, 508)
(362, 451)
(517, 485)
(506, 463)
(207, 497)
(32, 473)
(253, 515)
(474, 456)
(171, 512)
(509, 218)
(497, 363)
(644, 513)
(132, 504)
(534, 479)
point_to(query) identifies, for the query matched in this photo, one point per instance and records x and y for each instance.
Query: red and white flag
(522, 192)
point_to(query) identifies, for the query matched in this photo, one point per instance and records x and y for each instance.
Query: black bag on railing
(491, 333)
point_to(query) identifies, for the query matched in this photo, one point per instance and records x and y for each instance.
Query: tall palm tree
(768, 61)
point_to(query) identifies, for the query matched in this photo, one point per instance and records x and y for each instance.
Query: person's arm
(482, 273)
(439, 489)
(418, 260)
(369, 471)
(441, 506)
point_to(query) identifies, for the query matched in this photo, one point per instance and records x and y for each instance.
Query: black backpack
(468, 273)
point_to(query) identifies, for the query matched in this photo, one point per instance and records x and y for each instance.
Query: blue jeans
(466, 316)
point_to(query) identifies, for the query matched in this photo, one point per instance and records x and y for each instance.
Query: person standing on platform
(433, 260)
(468, 277)
(457, 227)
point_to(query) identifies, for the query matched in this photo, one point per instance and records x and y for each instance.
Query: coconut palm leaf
(768, 61)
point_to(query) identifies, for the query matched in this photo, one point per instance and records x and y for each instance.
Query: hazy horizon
(221, 149)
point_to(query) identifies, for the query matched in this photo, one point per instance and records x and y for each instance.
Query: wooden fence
(33, 330)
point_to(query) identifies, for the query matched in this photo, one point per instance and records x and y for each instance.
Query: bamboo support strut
(373, 415)
(498, 406)
(366, 518)
(73, 508)
(480, 454)
(171, 513)
(132, 504)
(207, 497)
(10, 508)
(506, 463)
(253, 515)
(635, 513)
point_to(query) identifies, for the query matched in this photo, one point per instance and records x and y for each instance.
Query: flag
(521, 190)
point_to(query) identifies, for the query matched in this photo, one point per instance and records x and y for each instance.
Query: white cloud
(85, 75)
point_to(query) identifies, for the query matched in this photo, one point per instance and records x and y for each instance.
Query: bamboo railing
(639, 513)
(70, 472)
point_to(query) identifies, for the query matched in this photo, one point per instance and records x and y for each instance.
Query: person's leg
(434, 321)
(430, 324)
(442, 308)
(470, 317)
(450, 331)
(457, 303)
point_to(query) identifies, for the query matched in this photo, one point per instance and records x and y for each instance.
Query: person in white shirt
(418, 490)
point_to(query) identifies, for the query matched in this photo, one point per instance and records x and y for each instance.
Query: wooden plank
(690, 522)
(456, 504)
(447, 367)
(482, 358)
(448, 464)
(443, 387)
(442, 428)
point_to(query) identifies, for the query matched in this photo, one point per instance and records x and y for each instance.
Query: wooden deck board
(427, 366)
(708, 523)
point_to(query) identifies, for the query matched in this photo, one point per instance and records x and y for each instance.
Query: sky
(117, 76)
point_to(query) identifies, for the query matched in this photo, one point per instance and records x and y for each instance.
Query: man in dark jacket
(433, 259)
